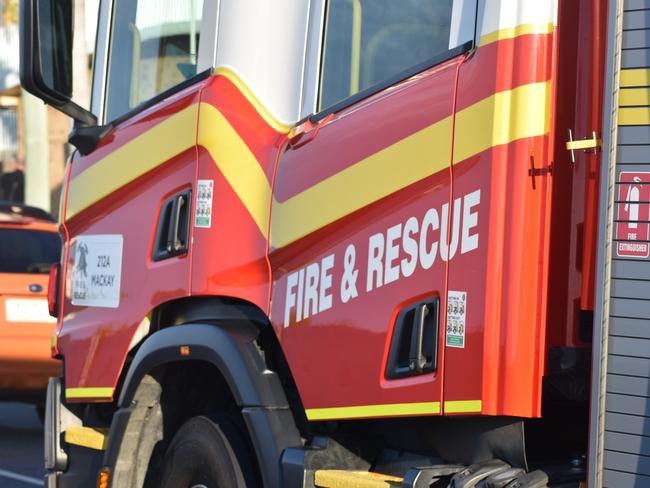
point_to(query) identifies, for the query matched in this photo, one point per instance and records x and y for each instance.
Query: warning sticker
(204, 191)
(97, 271)
(456, 310)
(633, 214)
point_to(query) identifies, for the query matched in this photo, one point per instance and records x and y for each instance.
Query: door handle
(417, 359)
(414, 341)
(172, 231)
(174, 242)
(307, 131)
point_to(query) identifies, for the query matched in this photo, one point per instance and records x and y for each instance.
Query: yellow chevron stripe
(499, 119)
(99, 392)
(511, 32)
(149, 150)
(635, 77)
(252, 99)
(413, 158)
(634, 97)
(463, 406)
(367, 411)
(237, 163)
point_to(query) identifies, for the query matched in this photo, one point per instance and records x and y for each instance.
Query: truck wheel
(208, 453)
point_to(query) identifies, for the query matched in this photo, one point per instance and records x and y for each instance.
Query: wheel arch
(235, 338)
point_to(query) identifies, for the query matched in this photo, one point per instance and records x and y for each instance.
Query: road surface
(21, 446)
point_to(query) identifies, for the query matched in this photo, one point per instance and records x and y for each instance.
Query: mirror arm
(81, 116)
(86, 138)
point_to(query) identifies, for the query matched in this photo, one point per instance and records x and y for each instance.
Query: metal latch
(582, 144)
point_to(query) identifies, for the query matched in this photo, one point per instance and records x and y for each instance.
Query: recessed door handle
(174, 242)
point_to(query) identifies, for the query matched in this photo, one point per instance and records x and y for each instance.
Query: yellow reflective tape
(332, 478)
(519, 30)
(87, 437)
(426, 152)
(635, 77)
(634, 97)
(499, 119)
(634, 116)
(101, 392)
(253, 100)
(366, 411)
(149, 150)
(463, 406)
(237, 163)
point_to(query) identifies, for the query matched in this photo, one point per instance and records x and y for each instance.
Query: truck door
(360, 213)
(128, 205)
(495, 323)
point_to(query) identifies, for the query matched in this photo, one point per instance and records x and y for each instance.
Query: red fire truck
(350, 243)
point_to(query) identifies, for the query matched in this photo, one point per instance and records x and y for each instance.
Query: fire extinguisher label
(633, 215)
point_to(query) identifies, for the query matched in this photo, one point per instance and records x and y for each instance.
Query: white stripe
(496, 15)
(21, 477)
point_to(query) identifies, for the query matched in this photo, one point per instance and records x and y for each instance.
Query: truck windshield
(154, 46)
(28, 251)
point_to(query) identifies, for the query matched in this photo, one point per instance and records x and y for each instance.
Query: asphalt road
(21, 446)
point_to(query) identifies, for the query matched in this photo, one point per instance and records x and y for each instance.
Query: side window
(154, 46)
(369, 42)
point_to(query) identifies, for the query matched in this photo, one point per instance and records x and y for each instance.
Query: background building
(33, 137)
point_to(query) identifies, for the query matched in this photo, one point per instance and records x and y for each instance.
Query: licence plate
(27, 310)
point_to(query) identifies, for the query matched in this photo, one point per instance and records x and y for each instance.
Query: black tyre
(210, 453)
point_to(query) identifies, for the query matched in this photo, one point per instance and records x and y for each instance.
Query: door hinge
(586, 144)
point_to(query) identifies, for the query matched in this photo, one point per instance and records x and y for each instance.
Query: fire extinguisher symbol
(632, 203)
(633, 214)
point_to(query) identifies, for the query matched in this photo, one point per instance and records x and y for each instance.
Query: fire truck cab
(339, 243)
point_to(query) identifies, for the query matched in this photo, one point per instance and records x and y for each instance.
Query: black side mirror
(46, 35)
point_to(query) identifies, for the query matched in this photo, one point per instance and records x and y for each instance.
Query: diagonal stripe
(500, 119)
(149, 150)
(234, 78)
(236, 162)
(519, 30)
(410, 160)
(21, 477)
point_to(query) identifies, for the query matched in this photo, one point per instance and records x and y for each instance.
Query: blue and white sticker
(97, 270)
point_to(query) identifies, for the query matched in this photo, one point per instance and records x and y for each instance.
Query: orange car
(29, 244)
